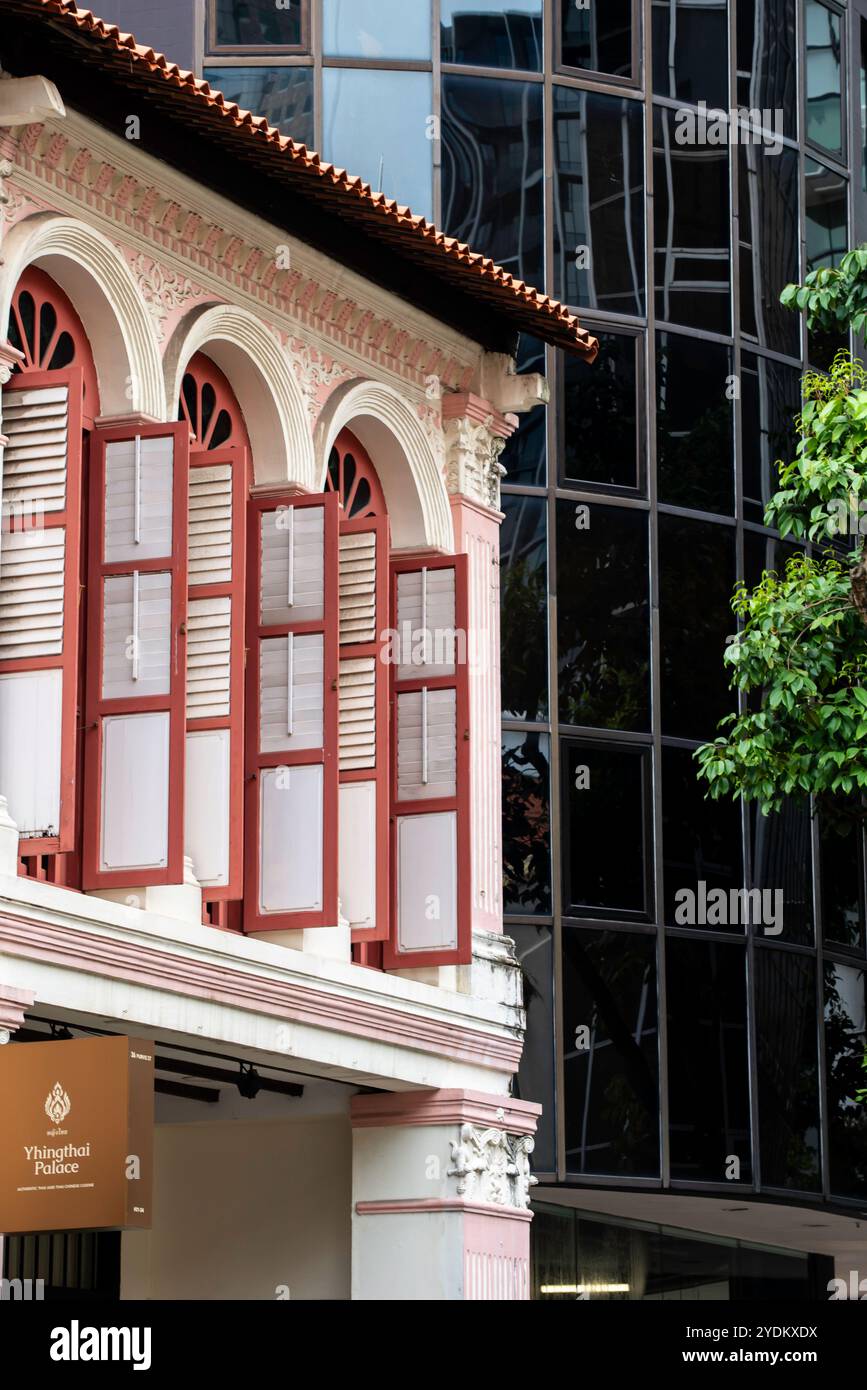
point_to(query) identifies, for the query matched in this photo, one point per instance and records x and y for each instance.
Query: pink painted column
(440, 1196)
(477, 535)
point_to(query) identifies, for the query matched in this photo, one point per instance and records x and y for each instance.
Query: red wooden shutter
(137, 605)
(214, 781)
(430, 800)
(363, 685)
(291, 869)
(40, 574)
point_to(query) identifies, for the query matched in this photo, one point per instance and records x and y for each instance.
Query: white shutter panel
(426, 622)
(40, 572)
(209, 653)
(36, 423)
(431, 789)
(32, 569)
(426, 745)
(357, 688)
(292, 634)
(211, 524)
(137, 677)
(357, 587)
(363, 685)
(214, 791)
(291, 692)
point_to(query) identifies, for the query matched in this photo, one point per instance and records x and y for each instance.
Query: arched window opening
(49, 405)
(353, 477)
(210, 407)
(44, 326)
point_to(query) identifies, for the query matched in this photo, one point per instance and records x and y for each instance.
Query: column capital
(475, 436)
(443, 1179)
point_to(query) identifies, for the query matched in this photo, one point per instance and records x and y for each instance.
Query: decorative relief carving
(12, 200)
(162, 290)
(492, 1166)
(473, 465)
(316, 374)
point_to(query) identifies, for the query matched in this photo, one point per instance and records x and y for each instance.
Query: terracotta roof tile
(420, 239)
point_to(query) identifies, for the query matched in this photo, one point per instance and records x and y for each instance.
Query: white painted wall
(241, 1208)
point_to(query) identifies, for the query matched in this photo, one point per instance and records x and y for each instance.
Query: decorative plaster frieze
(84, 170)
(162, 290)
(317, 375)
(492, 1166)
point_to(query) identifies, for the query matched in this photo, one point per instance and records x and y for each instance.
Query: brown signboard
(76, 1134)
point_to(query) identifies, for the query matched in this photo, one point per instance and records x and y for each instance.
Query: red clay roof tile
(542, 315)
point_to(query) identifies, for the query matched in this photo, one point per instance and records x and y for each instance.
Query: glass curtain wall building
(573, 144)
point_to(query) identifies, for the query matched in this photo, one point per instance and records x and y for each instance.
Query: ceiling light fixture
(249, 1082)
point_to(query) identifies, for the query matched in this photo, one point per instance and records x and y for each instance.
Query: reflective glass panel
(692, 254)
(697, 573)
(524, 607)
(826, 215)
(841, 860)
(767, 60)
(610, 1064)
(492, 176)
(709, 1115)
(769, 246)
(253, 23)
(492, 34)
(845, 1045)
(788, 1069)
(690, 47)
(782, 868)
(599, 201)
(526, 823)
(597, 37)
(360, 133)
(824, 90)
(701, 839)
(376, 29)
(603, 415)
(284, 95)
(606, 810)
(694, 424)
(534, 949)
(603, 631)
(770, 403)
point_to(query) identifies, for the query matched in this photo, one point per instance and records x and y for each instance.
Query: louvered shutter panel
(430, 787)
(364, 745)
(292, 720)
(214, 784)
(136, 676)
(40, 574)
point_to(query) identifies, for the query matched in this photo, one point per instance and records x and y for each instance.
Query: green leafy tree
(800, 655)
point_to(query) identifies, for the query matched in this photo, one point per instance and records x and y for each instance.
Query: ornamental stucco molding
(472, 453)
(163, 291)
(317, 375)
(492, 1166)
(228, 251)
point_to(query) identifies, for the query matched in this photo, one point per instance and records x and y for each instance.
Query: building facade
(249, 685)
(697, 1082)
